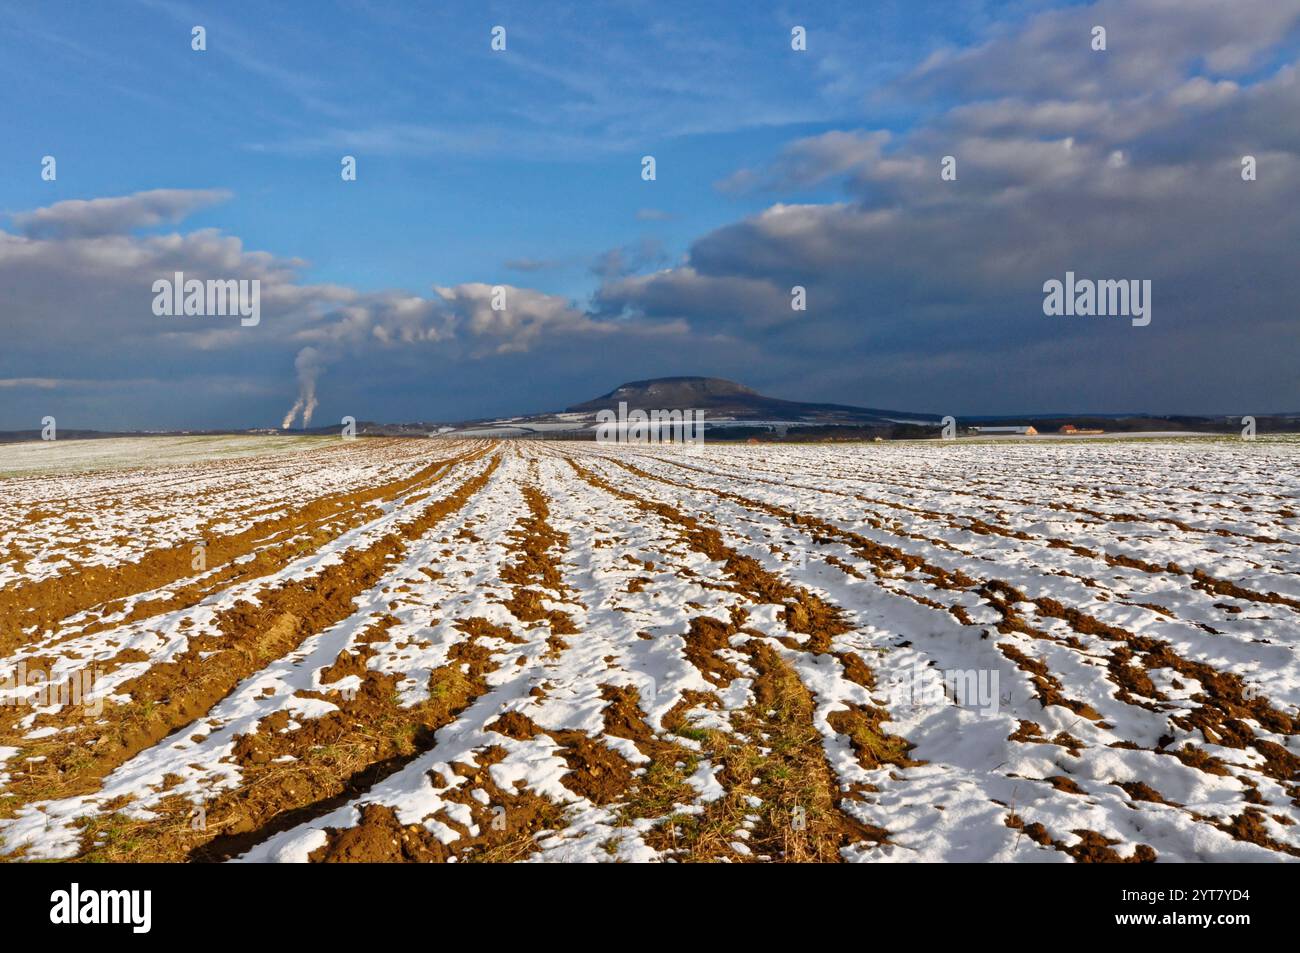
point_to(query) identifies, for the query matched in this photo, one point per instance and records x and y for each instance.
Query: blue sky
(522, 168)
(468, 158)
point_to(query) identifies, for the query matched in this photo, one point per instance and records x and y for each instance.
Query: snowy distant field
(17, 459)
(466, 649)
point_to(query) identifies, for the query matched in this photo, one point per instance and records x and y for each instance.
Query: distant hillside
(733, 411)
(719, 397)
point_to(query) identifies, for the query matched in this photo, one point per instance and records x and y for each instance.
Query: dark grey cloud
(1151, 45)
(928, 293)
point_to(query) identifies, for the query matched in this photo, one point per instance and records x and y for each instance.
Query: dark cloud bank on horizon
(921, 294)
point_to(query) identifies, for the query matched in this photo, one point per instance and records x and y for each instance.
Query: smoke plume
(308, 364)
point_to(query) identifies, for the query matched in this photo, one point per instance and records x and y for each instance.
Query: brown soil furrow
(536, 570)
(1202, 580)
(380, 838)
(1092, 848)
(804, 613)
(146, 487)
(1222, 706)
(339, 757)
(959, 521)
(266, 562)
(774, 753)
(871, 519)
(457, 631)
(26, 611)
(1154, 518)
(977, 524)
(532, 569)
(883, 557)
(283, 548)
(174, 694)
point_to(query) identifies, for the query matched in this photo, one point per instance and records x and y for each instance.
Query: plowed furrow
(818, 622)
(1201, 580)
(174, 694)
(28, 610)
(1221, 711)
(454, 687)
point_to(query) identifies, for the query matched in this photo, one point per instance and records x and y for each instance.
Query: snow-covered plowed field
(431, 650)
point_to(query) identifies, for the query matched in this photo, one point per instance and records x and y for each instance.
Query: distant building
(1075, 431)
(995, 431)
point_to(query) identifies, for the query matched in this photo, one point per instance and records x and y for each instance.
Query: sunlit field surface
(428, 650)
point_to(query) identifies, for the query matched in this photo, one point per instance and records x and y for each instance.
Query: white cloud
(81, 218)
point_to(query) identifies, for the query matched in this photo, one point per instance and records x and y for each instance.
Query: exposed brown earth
(480, 665)
(176, 693)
